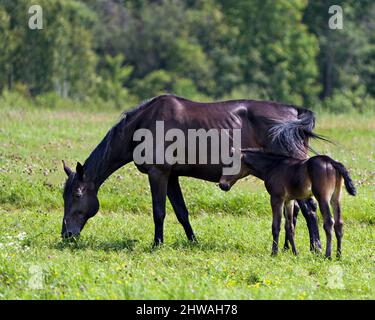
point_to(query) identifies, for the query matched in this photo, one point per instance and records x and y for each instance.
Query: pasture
(113, 258)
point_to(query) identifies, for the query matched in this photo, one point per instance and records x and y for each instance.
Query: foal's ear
(232, 151)
(67, 170)
(245, 155)
(79, 170)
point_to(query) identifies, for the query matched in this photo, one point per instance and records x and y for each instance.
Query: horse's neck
(113, 152)
(258, 173)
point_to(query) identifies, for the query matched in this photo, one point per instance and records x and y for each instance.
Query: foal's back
(323, 176)
(289, 179)
(300, 179)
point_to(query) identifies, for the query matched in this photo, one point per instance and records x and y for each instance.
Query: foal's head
(227, 181)
(80, 201)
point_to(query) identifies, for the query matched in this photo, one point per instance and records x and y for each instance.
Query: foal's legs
(295, 215)
(277, 205)
(179, 207)
(158, 182)
(335, 203)
(308, 208)
(327, 223)
(289, 224)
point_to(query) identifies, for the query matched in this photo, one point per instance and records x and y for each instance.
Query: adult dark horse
(275, 127)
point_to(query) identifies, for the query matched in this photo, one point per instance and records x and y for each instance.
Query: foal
(287, 179)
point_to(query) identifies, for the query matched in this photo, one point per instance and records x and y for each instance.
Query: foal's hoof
(274, 254)
(316, 246)
(315, 250)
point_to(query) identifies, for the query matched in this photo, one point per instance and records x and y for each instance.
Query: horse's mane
(103, 149)
(128, 114)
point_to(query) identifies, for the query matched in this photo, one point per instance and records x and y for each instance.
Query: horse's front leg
(277, 204)
(177, 200)
(159, 184)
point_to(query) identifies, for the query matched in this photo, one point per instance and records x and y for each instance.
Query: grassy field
(113, 258)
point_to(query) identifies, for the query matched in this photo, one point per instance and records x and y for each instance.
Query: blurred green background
(103, 54)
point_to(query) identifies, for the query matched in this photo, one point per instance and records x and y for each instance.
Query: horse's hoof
(193, 240)
(157, 244)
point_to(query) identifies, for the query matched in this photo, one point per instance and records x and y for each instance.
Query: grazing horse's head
(80, 201)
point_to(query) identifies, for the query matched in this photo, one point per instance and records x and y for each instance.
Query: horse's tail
(340, 168)
(292, 137)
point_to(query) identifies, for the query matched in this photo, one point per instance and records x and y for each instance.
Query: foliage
(120, 52)
(115, 75)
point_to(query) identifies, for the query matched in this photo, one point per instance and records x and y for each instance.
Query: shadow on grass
(211, 246)
(129, 245)
(84, 244)
(204, 246)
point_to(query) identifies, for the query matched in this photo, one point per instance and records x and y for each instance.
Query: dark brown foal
(287, 179)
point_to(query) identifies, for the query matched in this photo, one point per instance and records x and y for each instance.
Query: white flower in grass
(21, 236)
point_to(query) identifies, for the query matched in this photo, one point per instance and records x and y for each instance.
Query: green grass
(113, 259)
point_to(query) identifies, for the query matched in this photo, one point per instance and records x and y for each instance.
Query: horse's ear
(67, 170)
(79, 170)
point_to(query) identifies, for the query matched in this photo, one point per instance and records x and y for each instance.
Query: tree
(346, 56)
(59, 57)
(277, 51)
(114, 77)
(6, 50)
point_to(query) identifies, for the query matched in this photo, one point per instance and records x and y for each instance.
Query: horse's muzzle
(69, 235)
(224, 186)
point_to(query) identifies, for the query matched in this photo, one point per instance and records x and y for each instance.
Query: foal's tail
(349, 184)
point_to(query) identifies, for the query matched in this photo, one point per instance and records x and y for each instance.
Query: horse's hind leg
(338, 226)
(158, 183)
(295, 215)
(308, 209)
(177, 200)
(286, 242)
(277, 205)
(289, 225)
